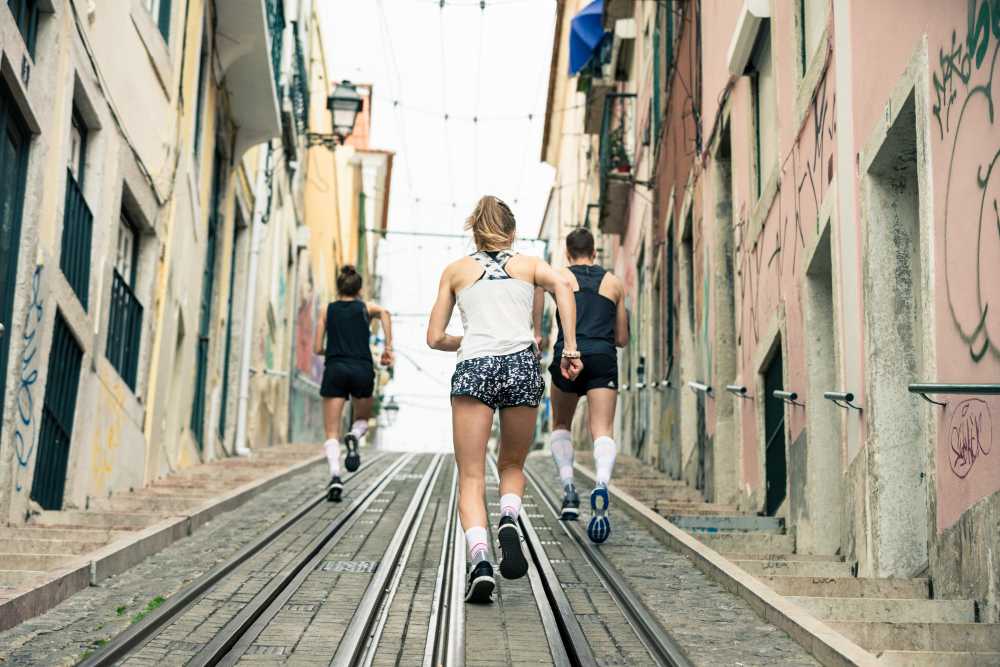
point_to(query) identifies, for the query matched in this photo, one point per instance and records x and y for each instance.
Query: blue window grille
(276, 26)
(78, 226)
(300, 87)
(58, 410)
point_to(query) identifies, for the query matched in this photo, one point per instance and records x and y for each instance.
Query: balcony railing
(78, 225)
(124, 330)
(300, 87)
(276, 27)
(616, 162)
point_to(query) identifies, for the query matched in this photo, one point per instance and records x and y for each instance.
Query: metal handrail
(924, 388)
(842, 399)
(700, 388)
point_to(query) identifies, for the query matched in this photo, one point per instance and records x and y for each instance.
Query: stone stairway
(895, 619)
(56, 539)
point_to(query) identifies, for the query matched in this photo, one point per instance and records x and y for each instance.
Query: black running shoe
(513, 564)
(570, 504)
(334, 489)
(353, 460)
(599, 528)
(481, 584)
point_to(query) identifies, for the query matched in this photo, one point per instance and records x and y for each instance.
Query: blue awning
(585, 35)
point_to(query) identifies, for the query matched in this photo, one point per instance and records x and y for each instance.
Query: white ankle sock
(359, 428)
(477, 541)
(332, 449)
(561, 445)
(510, 505)
(605, 450)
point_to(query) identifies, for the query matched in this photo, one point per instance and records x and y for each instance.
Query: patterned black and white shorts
(506, 381)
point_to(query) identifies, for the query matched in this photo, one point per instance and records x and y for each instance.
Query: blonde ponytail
(492, 224)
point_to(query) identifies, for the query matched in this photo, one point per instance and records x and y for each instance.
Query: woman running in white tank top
(497, 369)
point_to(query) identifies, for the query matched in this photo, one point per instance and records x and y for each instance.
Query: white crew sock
(605, 450)
(561, 445)
(332, 449)
(510, 505)
(477, 540)
(359, 428)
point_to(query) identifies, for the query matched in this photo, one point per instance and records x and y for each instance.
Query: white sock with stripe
(510, 505)
(359, 428)
(561, 445)
(477, 540)
(605, 451)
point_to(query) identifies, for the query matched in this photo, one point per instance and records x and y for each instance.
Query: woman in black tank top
(342, 338)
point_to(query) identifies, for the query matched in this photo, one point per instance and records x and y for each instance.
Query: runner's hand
(388, 358)
(570, 368)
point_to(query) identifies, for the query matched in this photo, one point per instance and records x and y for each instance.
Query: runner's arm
(385, 318)
(562, 290)
(621, 319)
(437, 338)
(536, 315)
(319, 347)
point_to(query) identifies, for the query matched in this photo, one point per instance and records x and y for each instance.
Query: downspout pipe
(261, 202)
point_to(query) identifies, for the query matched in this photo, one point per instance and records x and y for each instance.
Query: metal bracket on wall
(662, 384)
(788, 397)
(737, 390)
(842, 399)
(701, 388)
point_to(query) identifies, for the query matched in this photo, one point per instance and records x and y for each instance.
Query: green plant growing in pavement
(153, 604)
(120, 611)
(96, 644)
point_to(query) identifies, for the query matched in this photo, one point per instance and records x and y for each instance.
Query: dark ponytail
(349, 281)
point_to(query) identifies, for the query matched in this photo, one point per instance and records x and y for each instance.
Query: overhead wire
(444, 103)
(475, 115)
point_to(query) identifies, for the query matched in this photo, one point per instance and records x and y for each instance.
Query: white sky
(425, 61)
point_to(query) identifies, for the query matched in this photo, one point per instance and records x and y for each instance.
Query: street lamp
(344, 104)
(391, 408)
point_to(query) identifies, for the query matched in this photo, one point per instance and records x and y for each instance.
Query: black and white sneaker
(481, 583)
(513, 564)
(353, 460)
(334, 489)
(570, 504)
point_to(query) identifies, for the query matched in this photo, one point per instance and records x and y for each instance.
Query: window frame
(160, 10)
(761, 171)
(127, 226)
(80, 125)
(26, 13)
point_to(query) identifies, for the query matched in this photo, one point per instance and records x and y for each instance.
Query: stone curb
(127, 551)
(818, 639)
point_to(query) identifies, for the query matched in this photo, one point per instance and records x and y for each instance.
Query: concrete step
(36, 546)
(938, 659)
(47, 533)
(757, 543)
(785, 556)
(796, 568)
(88, 519)
(957, 637)
(187, 490)
(152, 504)
(15, 561)
(667, 507)
(848, 587)
(888, 610)
(18, 578)
(729, 524)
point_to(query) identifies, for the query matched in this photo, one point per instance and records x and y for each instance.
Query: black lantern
(344, 104)
(391, 408)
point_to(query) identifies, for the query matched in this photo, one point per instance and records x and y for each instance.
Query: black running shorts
(600, 371)
(506, 381)
(346, 378)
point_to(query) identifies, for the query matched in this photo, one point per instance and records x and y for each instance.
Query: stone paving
(90, 618)
(713, 626)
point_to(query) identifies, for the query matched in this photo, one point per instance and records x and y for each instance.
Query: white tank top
(496, 310)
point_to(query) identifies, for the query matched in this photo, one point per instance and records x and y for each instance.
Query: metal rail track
(445, 645)
(658, 641)
(137, 635)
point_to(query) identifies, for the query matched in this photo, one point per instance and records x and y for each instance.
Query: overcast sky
(487, 71)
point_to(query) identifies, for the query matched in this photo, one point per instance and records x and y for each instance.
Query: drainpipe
(261, 202)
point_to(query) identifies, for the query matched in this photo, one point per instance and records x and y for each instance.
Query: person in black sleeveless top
(601, 327)
(342, 338)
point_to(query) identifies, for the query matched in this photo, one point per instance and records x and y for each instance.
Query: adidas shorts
(507, 381)
(600, 371)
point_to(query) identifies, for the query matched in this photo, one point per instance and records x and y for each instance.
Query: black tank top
(595, 314)
(347, 331)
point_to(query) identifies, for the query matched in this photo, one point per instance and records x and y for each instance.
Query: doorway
(775, 466)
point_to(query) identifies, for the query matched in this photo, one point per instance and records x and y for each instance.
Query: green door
(774, 445)
(13, 160)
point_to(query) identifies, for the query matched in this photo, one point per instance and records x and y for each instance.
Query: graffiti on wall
(964, 107)
(308, 364)
(970, 435)
(25, 430)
